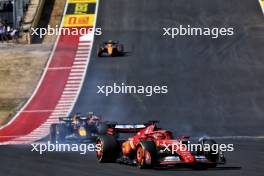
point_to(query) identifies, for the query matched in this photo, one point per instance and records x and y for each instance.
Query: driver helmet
(76, 118)
(159, 136)
(90, 114)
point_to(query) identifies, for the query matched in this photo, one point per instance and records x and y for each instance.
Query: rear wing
(70, 119)
(65, 119)
(128, 128)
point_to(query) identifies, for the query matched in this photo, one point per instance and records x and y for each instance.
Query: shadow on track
(222, 168)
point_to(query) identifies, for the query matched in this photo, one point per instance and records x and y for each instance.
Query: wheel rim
(99, 153)
(139, 155)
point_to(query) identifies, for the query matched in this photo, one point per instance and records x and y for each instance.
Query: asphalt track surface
(247, 160)
(215, 86)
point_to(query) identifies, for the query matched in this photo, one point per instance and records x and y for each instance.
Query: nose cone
(186, 156)
(189, 158)
(110, 49)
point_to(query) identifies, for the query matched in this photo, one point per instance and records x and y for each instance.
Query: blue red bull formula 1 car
(77, 128)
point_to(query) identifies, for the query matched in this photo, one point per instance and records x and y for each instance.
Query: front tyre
(120, 48)
(146, 154)
(61, 132)
(52, 135)
(211, 155)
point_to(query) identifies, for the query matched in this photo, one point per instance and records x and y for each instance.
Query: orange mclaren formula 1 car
(149, 146)
(111, 48)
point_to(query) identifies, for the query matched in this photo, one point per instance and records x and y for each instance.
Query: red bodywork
(160, 137)
(152, 146)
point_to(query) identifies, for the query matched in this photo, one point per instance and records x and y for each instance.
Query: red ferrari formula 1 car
(151, 146)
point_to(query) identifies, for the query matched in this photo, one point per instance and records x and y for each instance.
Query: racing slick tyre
(61, 132)
(99, 54)
(52, 135)
(115, 52)
(146, 154)
(211, 155)
(109, 149)
(120, 48)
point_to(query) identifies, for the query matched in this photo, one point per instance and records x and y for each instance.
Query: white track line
(261, 2)
(73, 81)
(84, 44)
(78, 70)
(83, 52)
(81, 55)
(237, 137)
(79, 66)
(59, 68)
(83, 48)
(34, 111)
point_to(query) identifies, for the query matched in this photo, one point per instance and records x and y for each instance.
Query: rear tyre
(99, 52)
(109, 149)
(146, 154)
(102, 128)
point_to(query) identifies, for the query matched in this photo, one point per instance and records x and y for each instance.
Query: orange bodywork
(110, 49)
